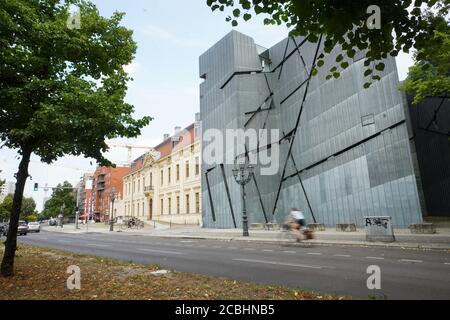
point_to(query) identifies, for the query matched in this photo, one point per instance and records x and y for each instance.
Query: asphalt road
(405, 274)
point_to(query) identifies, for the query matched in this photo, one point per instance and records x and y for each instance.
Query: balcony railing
(148, 189)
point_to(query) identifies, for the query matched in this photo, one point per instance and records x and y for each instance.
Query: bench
(316, 226)
(422, 228)
(346, 227)
(256, 226)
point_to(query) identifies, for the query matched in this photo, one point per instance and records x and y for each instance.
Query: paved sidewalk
(404, 239)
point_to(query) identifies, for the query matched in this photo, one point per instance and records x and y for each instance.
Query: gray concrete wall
(371, 172)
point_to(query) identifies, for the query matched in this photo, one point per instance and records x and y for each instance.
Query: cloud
(166, 36)
(132, 68)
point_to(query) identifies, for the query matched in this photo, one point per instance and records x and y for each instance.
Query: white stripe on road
(343, 255)
(160, 251)
(376, 258)
(315, 253)
(267, 250)
(447, 263)
(282, 263)
(289, 251)
(414, 261)
(97, 245)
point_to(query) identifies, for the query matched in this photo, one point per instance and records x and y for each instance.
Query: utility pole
(77, 212)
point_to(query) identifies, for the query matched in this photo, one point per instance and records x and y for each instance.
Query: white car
(34, 227)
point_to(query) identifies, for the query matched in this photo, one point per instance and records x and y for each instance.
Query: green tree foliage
(62, 89)
(405, 24)
(5, 208)
(430, 75)
(28, 208)
(62, 196)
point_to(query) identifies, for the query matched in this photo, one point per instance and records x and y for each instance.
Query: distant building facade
(85, 195)
(164, 184)
(8, 188)
(103, 181)
(344, 151)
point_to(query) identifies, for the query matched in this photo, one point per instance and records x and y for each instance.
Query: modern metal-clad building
(345, 151)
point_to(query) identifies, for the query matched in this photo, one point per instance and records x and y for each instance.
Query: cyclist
(295, 221)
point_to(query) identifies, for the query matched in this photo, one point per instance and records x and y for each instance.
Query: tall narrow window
(138, 211)
(197, 202)
(151, 179)
(178, 172)
(162, 206)
(187, 204)
(162, 177)
(143, 183)
(197, 166)
(178, 204)
(187, 169)
(168, 175)
(170, 205)
(139, 185)
(143, 210)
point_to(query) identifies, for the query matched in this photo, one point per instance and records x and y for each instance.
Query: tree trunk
(7, 267)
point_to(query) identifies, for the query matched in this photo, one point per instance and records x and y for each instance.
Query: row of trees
(62, 201)
(27, 213)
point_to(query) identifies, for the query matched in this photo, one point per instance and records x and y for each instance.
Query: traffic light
(36, 187)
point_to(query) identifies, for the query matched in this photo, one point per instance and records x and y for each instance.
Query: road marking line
(315, 253)
(377, 258)
(249, 249)
(268, 250)
(290, 251)
(408, 260)
(447, 263)
(187, 241)
(343, 255)
(160, 251)
(281, 263)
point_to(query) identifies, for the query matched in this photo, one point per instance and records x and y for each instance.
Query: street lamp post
(242, 174)
(112, 196)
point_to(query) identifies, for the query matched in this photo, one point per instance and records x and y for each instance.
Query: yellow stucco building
(164, 184)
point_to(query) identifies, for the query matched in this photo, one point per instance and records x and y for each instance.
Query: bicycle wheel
(124, 226)
(285, 237)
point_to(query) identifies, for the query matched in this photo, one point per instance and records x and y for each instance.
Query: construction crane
(130, 148)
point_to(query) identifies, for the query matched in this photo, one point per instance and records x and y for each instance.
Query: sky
(170, 36)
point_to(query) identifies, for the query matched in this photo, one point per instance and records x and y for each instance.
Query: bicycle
(132, 223)
(287, 236)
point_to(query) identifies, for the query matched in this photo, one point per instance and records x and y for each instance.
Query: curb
(437, 247)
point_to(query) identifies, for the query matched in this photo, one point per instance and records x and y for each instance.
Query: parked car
(3, 229)
(34, 227)
(52, 222)
(22, 230)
